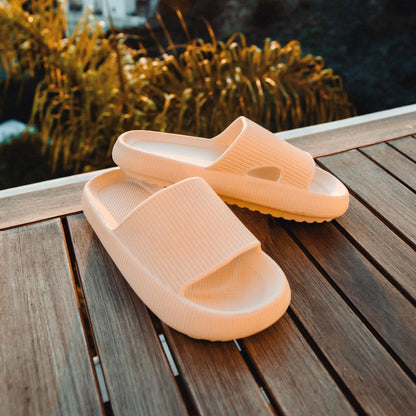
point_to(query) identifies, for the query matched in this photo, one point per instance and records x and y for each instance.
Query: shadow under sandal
(246, 165)
(187, 256)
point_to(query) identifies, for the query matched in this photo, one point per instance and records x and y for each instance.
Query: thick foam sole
(272, 211)
(290, 216)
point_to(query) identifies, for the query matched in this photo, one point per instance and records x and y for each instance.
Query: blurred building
(123, 13)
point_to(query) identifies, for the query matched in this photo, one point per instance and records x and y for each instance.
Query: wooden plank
(349, 122)
(394, 162)
(293, 374)
(379, 302)
(391, 199)
(407, 145)
(62, 196)
(138, 376)
(40, 204)
(382, 244)
(217, 377)
(335, 140)
(44, 362)
(366, 369)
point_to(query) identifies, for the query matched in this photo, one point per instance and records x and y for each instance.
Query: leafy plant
(93, 86)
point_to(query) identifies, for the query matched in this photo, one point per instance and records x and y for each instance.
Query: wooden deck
(76, 340)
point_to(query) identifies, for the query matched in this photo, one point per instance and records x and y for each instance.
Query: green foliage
(93, 86)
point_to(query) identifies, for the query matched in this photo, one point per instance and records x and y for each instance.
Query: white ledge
(288, 134)
(347, 122)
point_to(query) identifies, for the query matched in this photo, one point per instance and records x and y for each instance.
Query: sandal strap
(183, 233)
(257, 147)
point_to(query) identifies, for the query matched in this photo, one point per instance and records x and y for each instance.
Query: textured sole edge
(273, 212)
(290, 216)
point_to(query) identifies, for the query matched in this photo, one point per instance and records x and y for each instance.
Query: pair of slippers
(162, 218)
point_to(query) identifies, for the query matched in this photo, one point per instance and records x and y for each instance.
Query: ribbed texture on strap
(183, 233)
(256, 147)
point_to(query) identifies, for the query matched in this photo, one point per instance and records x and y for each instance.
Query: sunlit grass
(93, 86)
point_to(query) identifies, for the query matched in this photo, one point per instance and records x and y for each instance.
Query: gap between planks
(170, 356)
(373, 210)
(86, 321)
(389, 232)
(375, 263)
(395, 175)
(354, 308)
(261, 386)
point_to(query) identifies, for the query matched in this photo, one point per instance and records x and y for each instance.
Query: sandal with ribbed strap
(246, 165)
(186, 255)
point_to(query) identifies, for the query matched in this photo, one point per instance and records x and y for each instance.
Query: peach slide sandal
(246, 165)
(186, 255)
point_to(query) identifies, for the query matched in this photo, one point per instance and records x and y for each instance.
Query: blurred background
(76, 74)
(370, 43)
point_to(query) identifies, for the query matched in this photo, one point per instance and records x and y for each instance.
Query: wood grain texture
(394, 162)
(379, 302)
(382, 244)
(390, 198)
(363, 134)
(293, 374)
(139, 379)
(63, 196)
(345, 346)
(44, 364)
(40, 204)
(406, 145)
(217, 377)
(369, 372)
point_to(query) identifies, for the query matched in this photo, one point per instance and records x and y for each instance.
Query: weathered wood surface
(406, 145)
(61, 197)
(40, 204)
(373, 296)
(139, 380)
(358, 135)
(44, 362)
(366, 368)
(292, 373)
(396, 163)
(386, 195)
(345, 347)
(43, 200)
(217, 377)
(386, 249)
